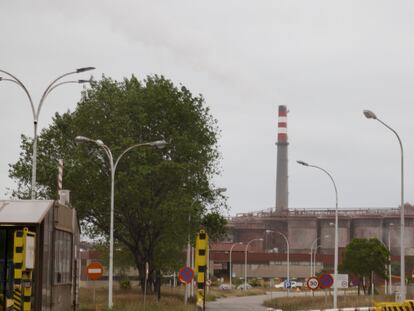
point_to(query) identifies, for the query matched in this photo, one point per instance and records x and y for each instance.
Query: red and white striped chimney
(282, 192)
(282, 125)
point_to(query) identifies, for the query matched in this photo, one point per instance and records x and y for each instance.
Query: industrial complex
(274, 232)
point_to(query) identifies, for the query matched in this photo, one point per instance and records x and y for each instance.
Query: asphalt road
(248, 303)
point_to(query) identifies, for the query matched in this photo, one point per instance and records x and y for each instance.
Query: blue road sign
(287, 284)
(325, 281)
(186, 274)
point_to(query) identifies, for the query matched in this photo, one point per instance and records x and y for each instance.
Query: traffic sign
(94, 270)
(325, 281)
(341, 281)
(287, 284)
(185, 275)
(313, 283)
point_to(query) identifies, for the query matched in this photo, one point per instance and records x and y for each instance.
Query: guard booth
(39, 256)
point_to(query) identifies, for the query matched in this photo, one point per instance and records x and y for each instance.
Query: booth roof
(24, 211)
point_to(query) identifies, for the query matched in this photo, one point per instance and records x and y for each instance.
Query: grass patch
(132, 300)
(318, 302)
(172, 299)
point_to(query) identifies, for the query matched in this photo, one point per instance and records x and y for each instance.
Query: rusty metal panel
(64, 218)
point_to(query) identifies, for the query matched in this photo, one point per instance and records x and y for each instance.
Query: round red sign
(313, 283)
(94, 270)
(325, 281)
(186, 274)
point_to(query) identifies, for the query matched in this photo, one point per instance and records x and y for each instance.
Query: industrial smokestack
(282, 162)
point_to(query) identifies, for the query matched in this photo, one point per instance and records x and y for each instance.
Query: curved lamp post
(370, 115)
(245, 261)
(230, 263)
(312, 273)
(36, 110)
(335, 296)
(287, 254)
(81, 139)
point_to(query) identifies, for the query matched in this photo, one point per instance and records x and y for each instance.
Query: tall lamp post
(230, 264)
(245, 261)
(287, 254)
(370, 115)
(335, 297)
(188, 259)
(36, 110)
(100, 143)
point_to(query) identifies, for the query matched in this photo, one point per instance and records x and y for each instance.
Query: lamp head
(369, 114)
(99, 142)
(261, 239)
(158, 144)
(84, 81)
(83, 69)
(220, 190)
(269, 231)
(302, 163)
(81, 139)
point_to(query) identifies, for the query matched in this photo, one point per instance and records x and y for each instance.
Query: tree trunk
(157, 284)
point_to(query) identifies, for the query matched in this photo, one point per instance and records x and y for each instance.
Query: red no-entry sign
(94, 270)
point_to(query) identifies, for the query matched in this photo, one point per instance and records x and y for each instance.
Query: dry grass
(132, 300)
(318, 302)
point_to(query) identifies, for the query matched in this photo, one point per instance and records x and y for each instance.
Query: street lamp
(188, 260)
(245, 261)
(81, 139)
(36, 110)
(287, 254)
(312, 273)
(230, 263)
(370, 115)
(335, 298)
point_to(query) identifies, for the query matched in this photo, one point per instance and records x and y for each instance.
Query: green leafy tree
(362, 257)
(154, 189)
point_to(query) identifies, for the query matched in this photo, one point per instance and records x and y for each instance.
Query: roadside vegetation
(318, 302)
(132, 300)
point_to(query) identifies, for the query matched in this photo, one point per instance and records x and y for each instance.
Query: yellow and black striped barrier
(407, 305)
(201, 267)
(23, 262)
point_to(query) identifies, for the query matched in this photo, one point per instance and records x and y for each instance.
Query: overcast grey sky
(326, 60)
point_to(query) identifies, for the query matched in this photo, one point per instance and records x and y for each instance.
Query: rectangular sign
(342, 281)
(30, 252)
